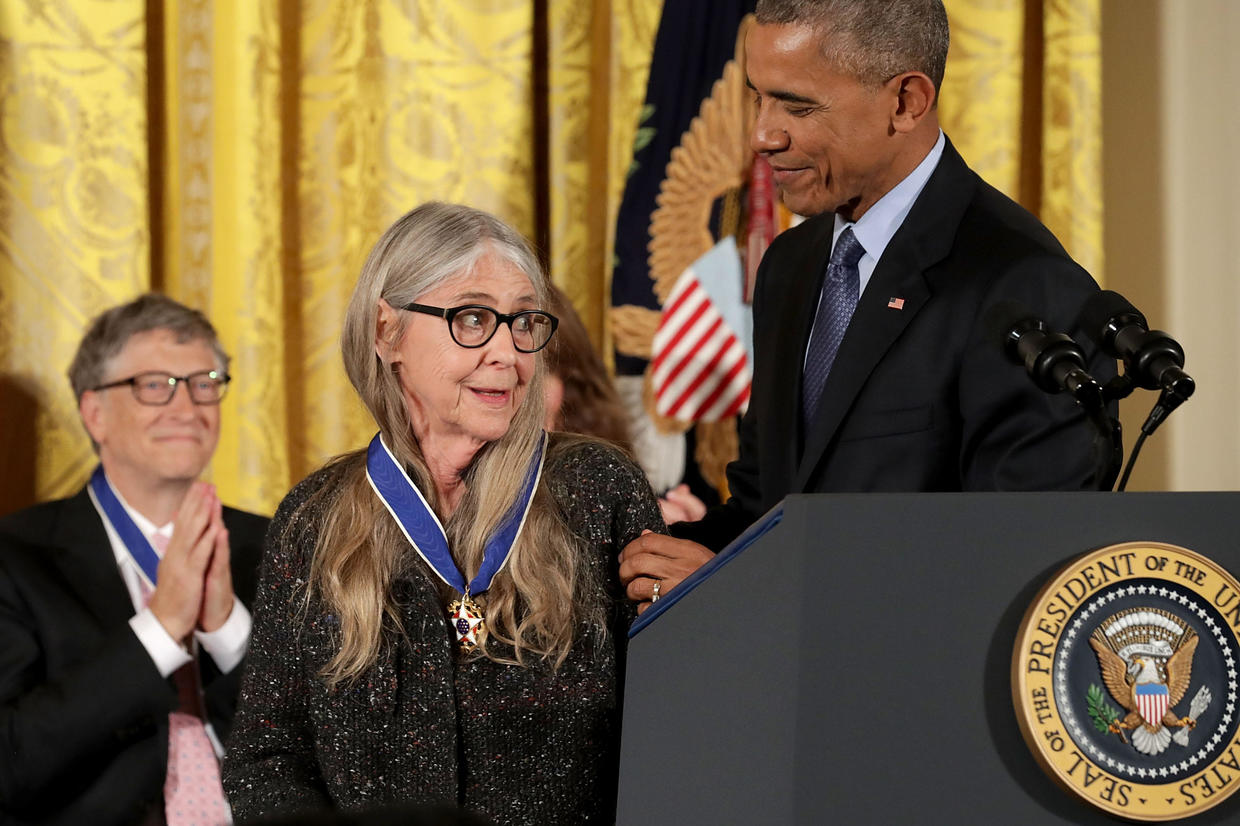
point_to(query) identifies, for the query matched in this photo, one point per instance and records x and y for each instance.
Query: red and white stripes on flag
(700, 369)
(1152, 702)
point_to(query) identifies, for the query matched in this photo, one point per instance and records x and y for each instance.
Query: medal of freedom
(421, 527)
(468, 621)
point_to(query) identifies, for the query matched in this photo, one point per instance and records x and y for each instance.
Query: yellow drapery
(1021, 100)
(242, 156)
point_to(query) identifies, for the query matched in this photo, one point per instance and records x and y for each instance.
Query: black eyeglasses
(473, 325)
(157, 389)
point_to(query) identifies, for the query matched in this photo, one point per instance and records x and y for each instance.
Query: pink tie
(193, 795)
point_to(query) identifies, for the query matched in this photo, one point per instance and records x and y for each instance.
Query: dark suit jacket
(920, 398)
(83, 710)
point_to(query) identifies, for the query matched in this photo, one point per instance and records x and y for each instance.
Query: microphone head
(1005, 322)
(1104, 315)
(1053, 360)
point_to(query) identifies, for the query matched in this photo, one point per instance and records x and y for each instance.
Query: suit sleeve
(91, 711)
(1014, 436)
(271, 765)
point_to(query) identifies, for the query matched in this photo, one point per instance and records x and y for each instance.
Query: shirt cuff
(165, 652)
(228, 643)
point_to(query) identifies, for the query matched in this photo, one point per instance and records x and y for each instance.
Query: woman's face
(455, 392)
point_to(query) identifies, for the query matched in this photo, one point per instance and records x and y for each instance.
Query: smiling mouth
(491, 395)
(781, 173)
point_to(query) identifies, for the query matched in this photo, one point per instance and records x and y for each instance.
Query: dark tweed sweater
(426, 725)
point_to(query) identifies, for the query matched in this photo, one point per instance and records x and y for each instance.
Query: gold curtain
(1022, 102)
(242, 156)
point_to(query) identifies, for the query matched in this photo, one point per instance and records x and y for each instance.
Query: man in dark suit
(122, 609)
(874, 368)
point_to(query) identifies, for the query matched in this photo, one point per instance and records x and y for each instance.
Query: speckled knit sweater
(519, 745)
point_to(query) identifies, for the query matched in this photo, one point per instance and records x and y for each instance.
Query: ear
(387, 323)
(90, 408)
(915, 98)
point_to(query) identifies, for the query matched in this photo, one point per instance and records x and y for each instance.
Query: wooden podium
(852, 664)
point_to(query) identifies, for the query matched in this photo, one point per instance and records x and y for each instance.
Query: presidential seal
(1125, 680)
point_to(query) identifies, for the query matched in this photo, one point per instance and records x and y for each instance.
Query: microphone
(1053, 360)
(1152, 359)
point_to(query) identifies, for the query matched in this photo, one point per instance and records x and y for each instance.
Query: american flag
(700, 370)
(896, 303)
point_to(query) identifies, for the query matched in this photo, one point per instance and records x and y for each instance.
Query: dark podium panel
(852, 664)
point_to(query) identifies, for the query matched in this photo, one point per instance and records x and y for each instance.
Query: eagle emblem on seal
(1146, 659)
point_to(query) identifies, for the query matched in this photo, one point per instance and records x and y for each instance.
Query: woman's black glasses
(472, 325)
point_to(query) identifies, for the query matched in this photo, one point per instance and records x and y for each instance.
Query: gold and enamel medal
(467, 621)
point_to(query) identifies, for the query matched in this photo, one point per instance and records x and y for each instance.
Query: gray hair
(424, 248)
(111, 330)
(871, 40)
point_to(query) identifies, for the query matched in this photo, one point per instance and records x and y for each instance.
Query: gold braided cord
(633, 329)
(712, 158)
(717, 445)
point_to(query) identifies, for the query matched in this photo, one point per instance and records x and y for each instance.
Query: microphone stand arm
(1111, 438)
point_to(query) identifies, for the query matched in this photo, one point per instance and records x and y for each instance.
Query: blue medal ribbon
(425, 533)
(131, 535)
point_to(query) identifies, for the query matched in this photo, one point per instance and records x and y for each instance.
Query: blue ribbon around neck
(131, 535)
(425, 533)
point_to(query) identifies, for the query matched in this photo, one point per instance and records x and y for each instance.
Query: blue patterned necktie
(835, 309)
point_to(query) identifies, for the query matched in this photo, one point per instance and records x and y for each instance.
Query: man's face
(826, 135)
(142, 445)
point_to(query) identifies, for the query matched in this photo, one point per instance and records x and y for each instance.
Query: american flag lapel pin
(895, 303)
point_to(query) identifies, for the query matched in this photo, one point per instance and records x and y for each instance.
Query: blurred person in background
(580, 398)
(577, 392)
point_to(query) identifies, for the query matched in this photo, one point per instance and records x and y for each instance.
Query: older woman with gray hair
(440, 618)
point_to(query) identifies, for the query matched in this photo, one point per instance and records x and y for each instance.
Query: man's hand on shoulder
(654, 558)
